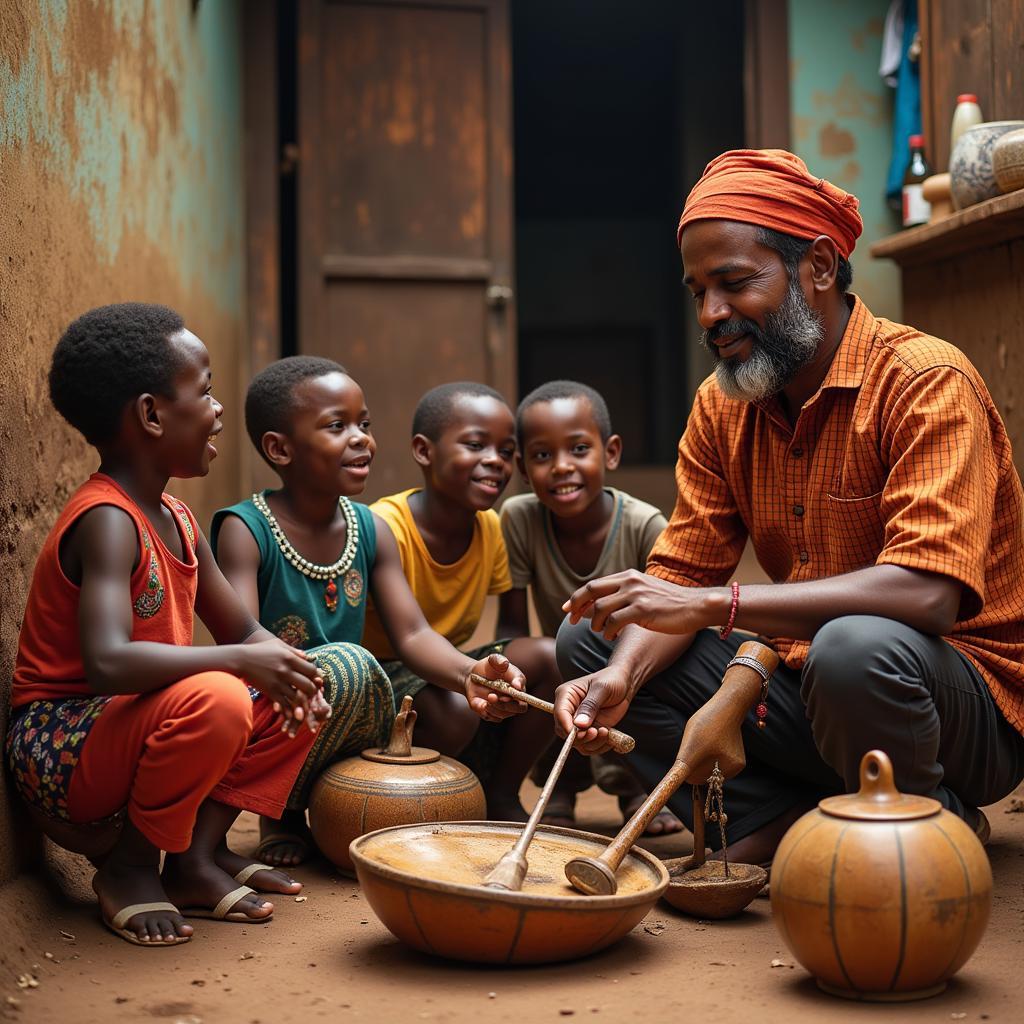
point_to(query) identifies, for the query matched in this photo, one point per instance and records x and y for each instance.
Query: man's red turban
(773, 189)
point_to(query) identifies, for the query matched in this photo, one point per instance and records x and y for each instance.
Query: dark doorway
(617, 107)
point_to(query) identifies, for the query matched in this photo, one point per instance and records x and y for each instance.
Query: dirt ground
(328, 957)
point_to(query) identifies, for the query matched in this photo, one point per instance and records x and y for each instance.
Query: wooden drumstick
(510, 871)
(621, 743)
(595, 876)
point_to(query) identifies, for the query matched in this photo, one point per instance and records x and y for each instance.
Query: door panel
(405, 203)
(399, 338)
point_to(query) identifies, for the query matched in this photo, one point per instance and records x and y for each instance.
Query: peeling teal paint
(835, 89)
(135, 167)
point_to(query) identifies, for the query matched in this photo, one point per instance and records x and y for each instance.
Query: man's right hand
(592, 703)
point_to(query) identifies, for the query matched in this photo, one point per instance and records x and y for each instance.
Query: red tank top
(163, 593)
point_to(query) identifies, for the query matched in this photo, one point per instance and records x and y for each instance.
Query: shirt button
(798, 510)
(797, 452)
(804, 556)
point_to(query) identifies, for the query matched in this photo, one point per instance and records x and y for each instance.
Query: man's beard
(787, 342)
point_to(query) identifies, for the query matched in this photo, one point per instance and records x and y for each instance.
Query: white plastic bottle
(966, 115)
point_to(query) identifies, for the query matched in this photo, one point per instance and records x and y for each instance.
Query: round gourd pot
(399, 785)
(970, 164)
(880, 895)
(1008, 161)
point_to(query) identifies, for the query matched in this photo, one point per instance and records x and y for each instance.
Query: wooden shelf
(978, 227)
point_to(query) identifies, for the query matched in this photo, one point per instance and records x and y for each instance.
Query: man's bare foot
(286, 841)
(268, 880)
(664, 823)
(760, 846)
(195, 882)
(118, 885)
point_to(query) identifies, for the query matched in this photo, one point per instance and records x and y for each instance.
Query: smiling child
(572, 529)
(125, 739)
(304, 559)
(453, 555)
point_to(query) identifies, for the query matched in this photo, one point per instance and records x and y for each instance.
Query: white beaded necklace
(311, 569)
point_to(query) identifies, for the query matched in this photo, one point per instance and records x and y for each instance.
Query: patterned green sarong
(362, 712)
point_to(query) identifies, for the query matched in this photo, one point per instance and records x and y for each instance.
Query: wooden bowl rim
(477, 892)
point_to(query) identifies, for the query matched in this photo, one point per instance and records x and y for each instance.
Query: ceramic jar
(880, 895)
(399, 785)
(970, 164)
(1008, 161)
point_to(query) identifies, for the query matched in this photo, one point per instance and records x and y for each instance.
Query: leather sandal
(223, 911)
(276, 838)
(117, 924)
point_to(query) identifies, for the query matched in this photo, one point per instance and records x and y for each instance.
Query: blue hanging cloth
(906, 117)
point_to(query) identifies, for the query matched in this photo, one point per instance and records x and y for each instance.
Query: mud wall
(841, 117)
(121, 178)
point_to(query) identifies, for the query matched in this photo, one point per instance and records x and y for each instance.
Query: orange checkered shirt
(899, 458)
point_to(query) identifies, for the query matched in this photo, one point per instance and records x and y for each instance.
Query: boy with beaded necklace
(280, 550)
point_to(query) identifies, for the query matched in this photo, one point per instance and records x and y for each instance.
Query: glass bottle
(916, 209)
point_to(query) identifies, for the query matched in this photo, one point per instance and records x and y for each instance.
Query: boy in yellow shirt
(453, 555)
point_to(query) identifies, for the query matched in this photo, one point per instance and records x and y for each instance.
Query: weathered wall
(120, 178)
(841, 116)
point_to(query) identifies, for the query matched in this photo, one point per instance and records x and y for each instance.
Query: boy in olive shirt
(572, 529)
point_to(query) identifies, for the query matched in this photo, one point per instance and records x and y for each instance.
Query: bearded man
(871, 472)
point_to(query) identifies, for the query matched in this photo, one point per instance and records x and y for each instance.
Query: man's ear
(824, 263)
(612, 452)
(422, 450)
(276, 448)
(146, 412)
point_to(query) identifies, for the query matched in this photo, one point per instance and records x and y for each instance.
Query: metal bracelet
(745, 659)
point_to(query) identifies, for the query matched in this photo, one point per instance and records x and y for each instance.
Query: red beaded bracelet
(727, 628)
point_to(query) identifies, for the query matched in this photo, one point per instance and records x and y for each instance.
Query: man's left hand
(613, 602)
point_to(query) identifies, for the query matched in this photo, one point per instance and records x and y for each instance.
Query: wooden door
(405, 203)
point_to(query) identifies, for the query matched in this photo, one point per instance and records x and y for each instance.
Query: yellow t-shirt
(451, 596)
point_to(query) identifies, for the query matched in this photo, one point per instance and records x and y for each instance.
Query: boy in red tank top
(126, 740)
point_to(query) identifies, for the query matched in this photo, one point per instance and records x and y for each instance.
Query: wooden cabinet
(969, 46)
(963, 277)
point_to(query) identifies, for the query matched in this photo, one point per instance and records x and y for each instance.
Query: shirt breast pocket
(856, 532)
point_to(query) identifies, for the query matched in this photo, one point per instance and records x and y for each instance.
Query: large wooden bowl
(423, 882)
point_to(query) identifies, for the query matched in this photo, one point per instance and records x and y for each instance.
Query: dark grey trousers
(868, 683)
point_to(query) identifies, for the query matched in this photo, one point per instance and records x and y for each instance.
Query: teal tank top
(292, 606)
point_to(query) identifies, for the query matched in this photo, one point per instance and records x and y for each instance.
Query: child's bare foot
(197, 885)
(118, 885)
(266, 880)
(285, 842)
(664, 823)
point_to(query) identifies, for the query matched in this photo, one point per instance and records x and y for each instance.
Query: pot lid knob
(400, 749)
(878, 798)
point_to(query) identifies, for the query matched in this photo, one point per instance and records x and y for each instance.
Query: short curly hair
(270, 402)
(567, 389)
(433, 414)
(107, 358)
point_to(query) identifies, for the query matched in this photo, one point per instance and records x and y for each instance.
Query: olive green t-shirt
(535, 561)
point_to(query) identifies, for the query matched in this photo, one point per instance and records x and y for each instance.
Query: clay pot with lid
(881, 895)
(399, 785)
